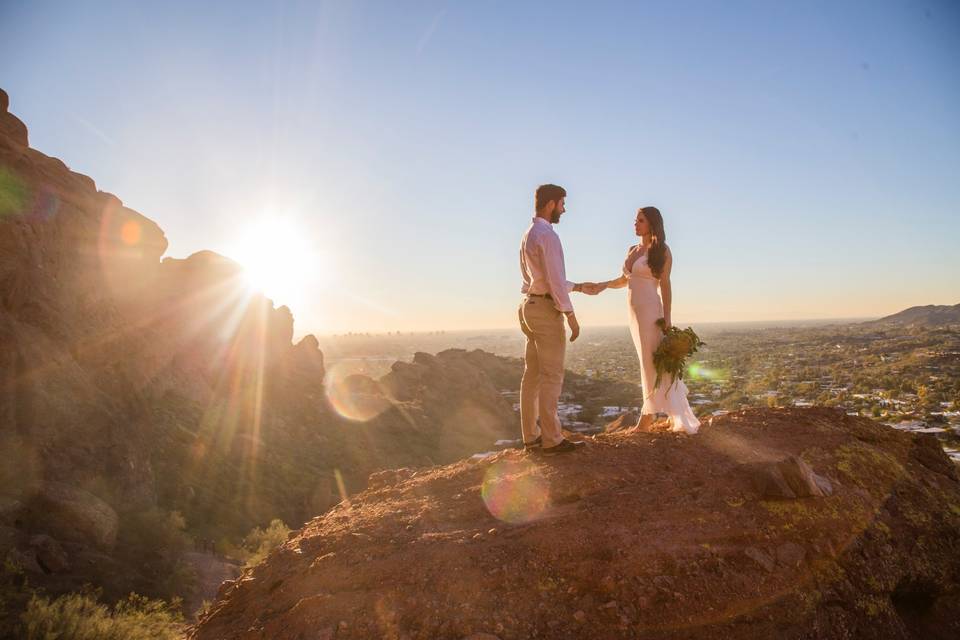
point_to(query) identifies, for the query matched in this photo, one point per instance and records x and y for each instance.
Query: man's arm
(556, 273)
(558, 283)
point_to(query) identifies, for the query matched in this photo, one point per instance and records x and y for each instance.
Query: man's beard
(555, 217)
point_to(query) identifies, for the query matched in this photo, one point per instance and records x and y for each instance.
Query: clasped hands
(592, 288)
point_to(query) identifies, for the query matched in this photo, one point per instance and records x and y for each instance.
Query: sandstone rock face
(10, 125)
(9, 511)
(142, 381)
(9, 536)
(642, 535)
(73, 514)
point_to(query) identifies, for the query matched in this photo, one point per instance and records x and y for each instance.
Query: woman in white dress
(647, 271)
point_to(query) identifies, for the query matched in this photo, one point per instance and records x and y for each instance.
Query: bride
(647, 269)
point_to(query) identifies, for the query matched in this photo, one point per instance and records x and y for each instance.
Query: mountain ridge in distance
(927, 315)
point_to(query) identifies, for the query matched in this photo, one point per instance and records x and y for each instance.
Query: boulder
(306, 360)
(70, 513)
(50, 555)
(623, 422)
(788, 478)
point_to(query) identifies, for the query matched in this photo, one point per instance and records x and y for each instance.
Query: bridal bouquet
(677, 345)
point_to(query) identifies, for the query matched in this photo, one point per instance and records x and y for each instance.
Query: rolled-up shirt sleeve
(556, 273)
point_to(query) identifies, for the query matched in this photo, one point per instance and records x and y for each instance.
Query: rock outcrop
(648, 535)
(72, 514)
(132, 382)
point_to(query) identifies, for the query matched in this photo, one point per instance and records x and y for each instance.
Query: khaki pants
(543, 370)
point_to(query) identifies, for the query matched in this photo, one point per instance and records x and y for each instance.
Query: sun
(279, 260)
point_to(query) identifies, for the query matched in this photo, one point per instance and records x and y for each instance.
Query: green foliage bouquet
(671, 356)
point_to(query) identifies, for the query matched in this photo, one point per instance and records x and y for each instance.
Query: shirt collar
(539, 220)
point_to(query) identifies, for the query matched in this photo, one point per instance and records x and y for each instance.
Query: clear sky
(805, 155)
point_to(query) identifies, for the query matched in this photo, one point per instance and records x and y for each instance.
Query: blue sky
(805, 155)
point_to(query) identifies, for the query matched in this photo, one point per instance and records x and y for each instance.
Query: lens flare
(45, 205)
(14, 194)
(355, 397)
(130, 233)
(697, 371)
(515, 491)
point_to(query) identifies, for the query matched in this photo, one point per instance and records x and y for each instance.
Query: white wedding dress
(645, 309)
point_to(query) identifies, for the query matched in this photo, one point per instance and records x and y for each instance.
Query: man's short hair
(548, 192)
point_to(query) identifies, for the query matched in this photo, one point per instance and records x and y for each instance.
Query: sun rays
(280, 259)
(216, 339)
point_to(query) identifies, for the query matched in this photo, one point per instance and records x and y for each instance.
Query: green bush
(156, 530)
(79, 616)
(205, 607)
(156, 540)
(260, 542)
(15, 593)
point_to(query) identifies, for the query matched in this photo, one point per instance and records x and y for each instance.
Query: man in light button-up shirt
(542, 268)
(546, 301)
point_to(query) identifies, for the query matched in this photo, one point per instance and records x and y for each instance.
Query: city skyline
(375, 165)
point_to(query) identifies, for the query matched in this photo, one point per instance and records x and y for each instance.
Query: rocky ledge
(647, 535)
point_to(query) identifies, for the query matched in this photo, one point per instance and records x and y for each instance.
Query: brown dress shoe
(565, 446)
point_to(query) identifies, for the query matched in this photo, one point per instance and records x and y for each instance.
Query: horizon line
(601, 326)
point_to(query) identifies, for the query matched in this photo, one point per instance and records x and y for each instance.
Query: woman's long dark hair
(657, 254)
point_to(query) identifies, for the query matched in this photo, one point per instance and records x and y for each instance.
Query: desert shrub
(231, 549)
(260, 542)
(155, 529)
(15, 593)
(177, 579)
(205, 607)
(156, 540)
(590, 412)
(80, 616)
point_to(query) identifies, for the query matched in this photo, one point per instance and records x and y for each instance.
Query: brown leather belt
(541, 295)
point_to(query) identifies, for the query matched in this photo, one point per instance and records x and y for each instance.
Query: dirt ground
(651, 535)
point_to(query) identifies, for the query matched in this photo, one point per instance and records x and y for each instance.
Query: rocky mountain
(787, 523)
(928, 315)
(145, 397)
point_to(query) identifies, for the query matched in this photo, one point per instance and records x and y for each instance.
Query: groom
(545, 304)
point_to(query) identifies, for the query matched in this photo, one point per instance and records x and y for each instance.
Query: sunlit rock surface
(641, 535)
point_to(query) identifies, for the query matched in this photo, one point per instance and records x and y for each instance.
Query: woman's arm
(666, 290)
(616, 284)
